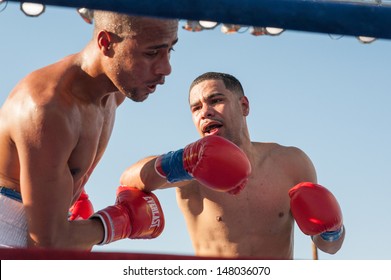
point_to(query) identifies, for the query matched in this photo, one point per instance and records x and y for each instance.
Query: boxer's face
(142, 61)
(216, 110)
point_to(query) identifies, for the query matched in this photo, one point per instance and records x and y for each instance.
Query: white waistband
(13, 223)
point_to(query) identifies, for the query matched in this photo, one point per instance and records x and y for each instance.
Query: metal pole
(314, 251)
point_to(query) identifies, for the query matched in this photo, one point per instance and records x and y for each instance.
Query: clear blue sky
(328, 95)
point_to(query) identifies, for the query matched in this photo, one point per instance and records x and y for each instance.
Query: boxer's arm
(46, 183)
(301, 168)
(207, 160)
(143, 176)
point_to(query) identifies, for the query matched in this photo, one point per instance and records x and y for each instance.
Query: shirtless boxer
(259, 220)
(54, 129)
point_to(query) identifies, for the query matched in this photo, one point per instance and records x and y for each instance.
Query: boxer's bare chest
(257, 218)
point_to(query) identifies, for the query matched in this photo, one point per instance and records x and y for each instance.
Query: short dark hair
(230, 82)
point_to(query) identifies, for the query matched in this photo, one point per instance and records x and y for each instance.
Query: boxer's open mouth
(211, 128)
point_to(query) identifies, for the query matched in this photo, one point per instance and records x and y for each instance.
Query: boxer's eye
(195, 108)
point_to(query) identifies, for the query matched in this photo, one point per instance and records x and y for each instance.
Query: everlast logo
(155, 212)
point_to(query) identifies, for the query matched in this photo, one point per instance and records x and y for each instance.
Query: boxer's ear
(245, 105)
(104, 41)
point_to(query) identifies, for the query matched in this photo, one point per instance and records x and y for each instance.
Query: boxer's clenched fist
(213, 161)
(316, 211)
(136, 214)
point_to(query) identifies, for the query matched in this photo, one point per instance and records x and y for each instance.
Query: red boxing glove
(213, 161)
(82, 209)
(136, 214)
(316, 211)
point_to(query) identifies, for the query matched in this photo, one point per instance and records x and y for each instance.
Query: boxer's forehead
(207, 89)
(156, 30)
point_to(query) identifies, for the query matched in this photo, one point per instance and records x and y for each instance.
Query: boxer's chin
(137, 97)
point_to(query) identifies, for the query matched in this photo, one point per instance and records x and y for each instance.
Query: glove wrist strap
(104, 220)
(331, 236)
(172, 166)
